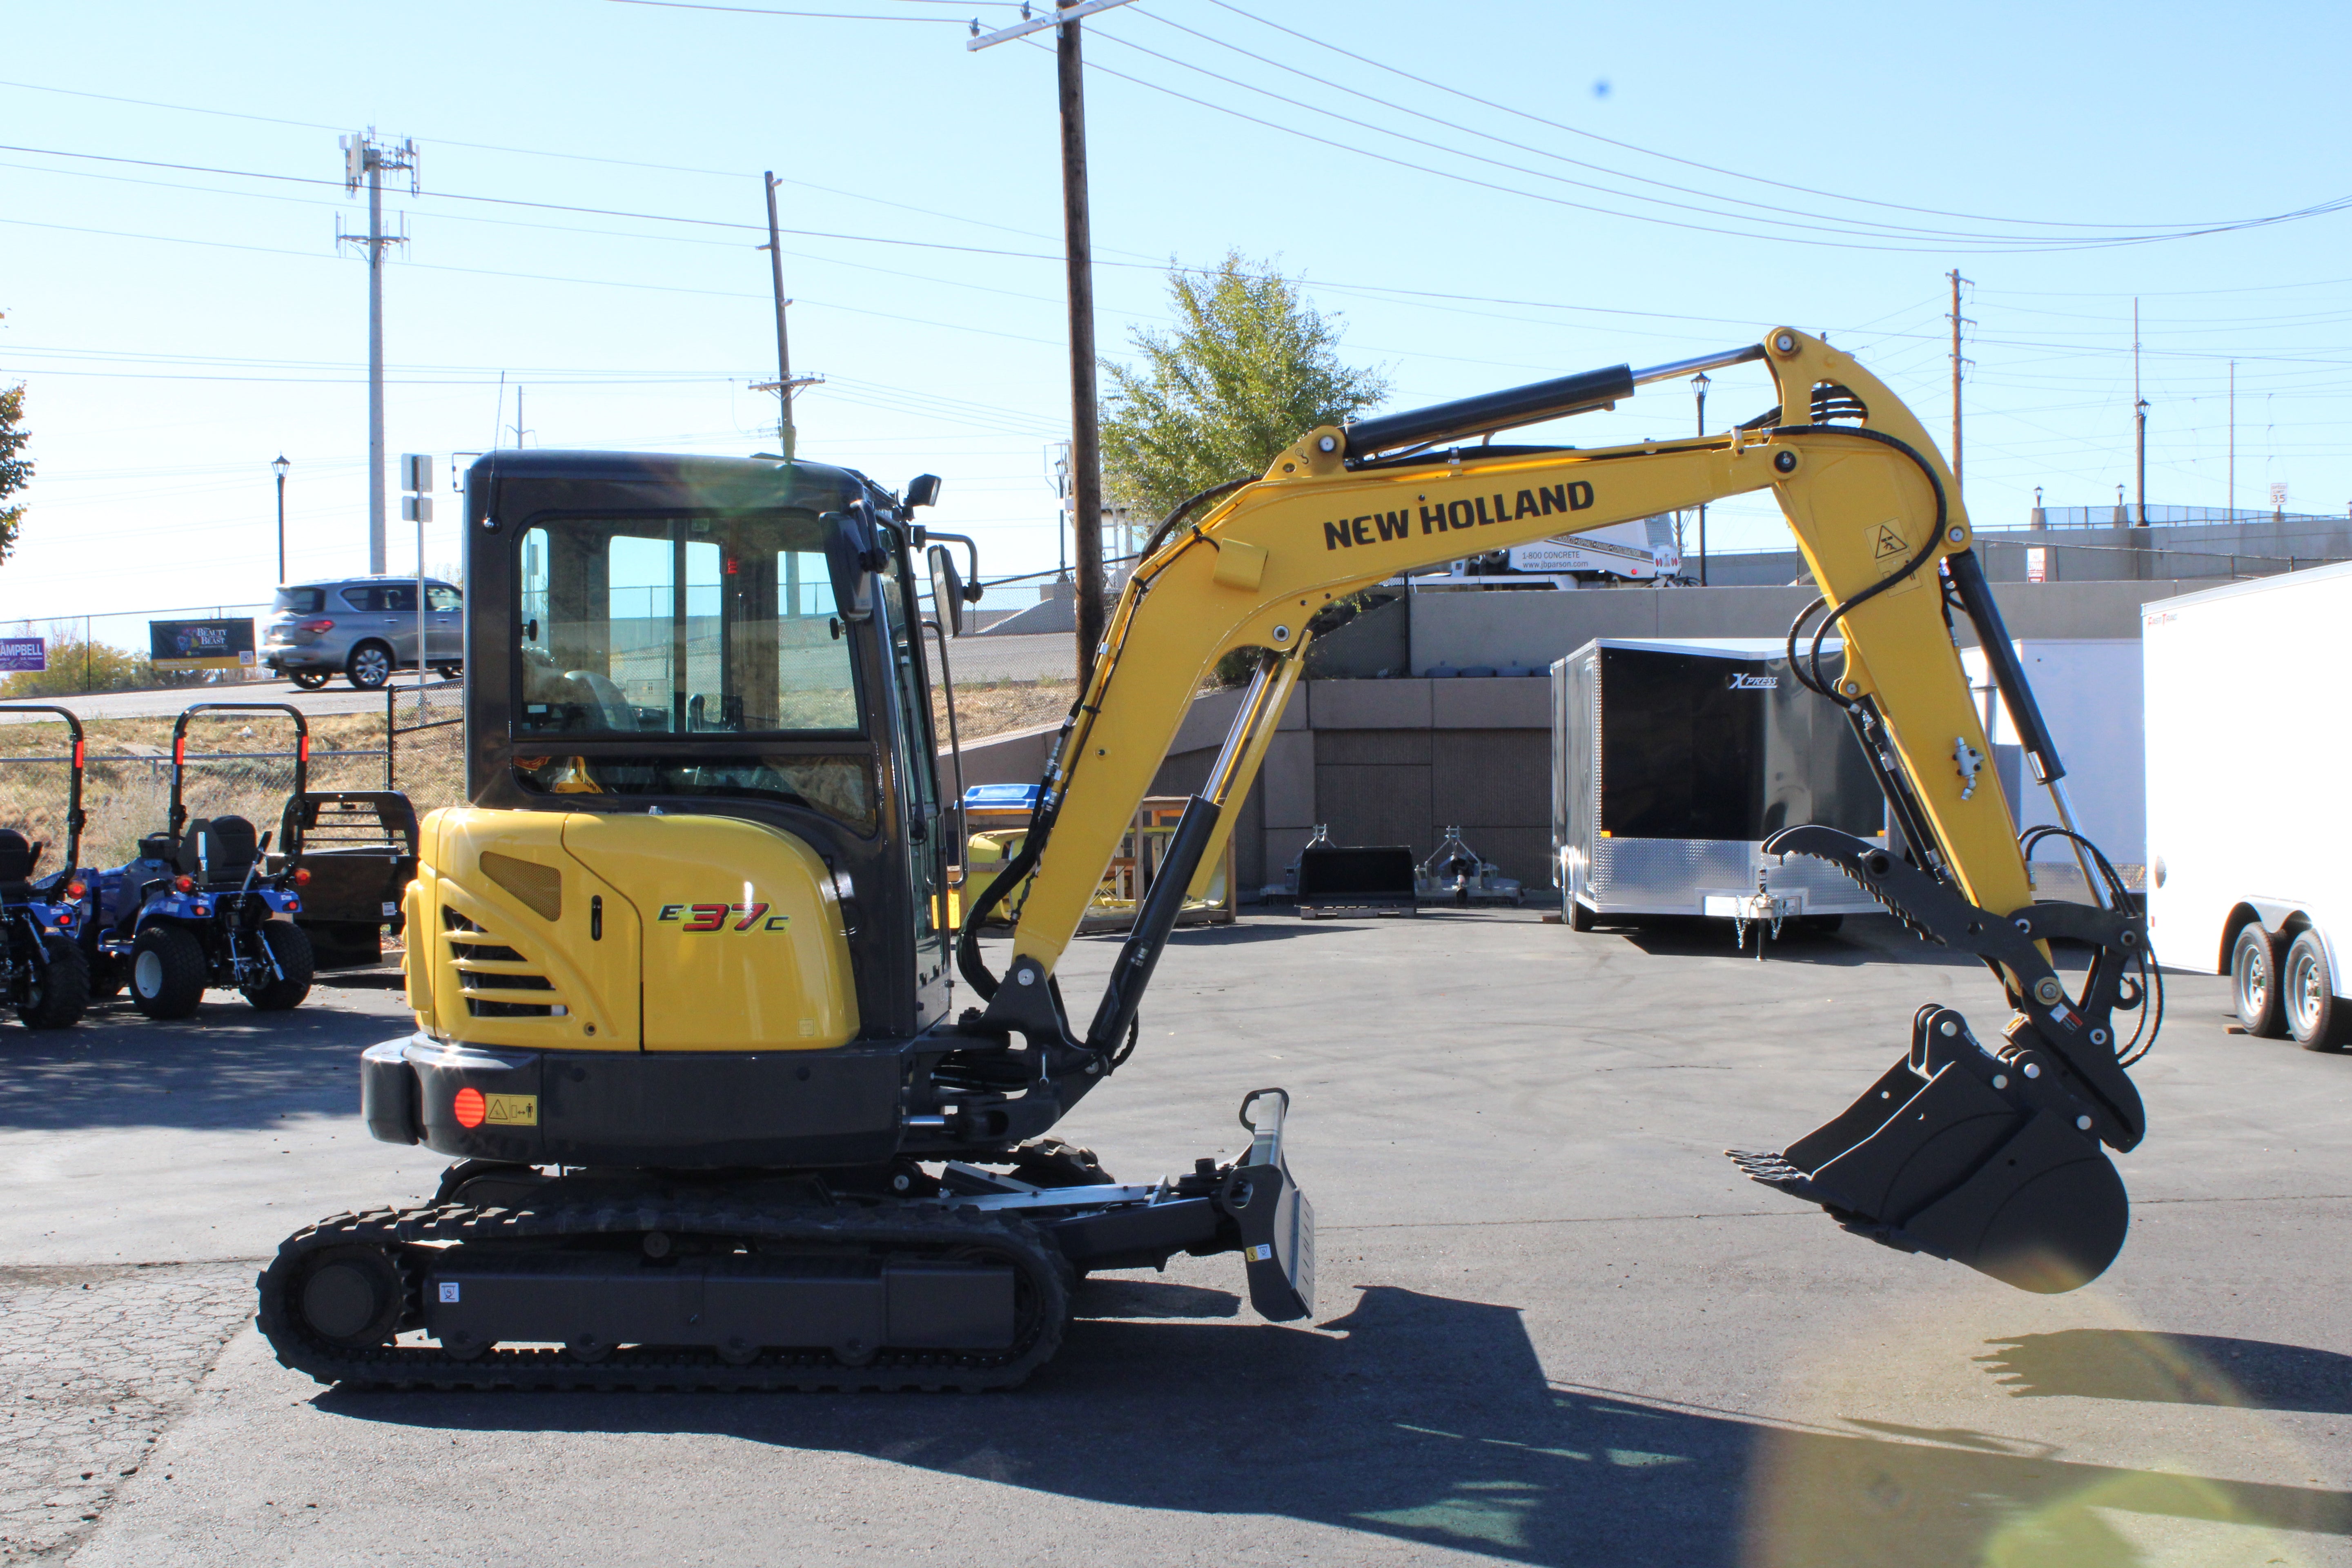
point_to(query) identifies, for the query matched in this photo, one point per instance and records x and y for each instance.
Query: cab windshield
(680, 625)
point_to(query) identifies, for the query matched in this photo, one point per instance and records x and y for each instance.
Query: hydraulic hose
(1041, 828)
(1927, 553)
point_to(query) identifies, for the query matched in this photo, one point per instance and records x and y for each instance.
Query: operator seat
(17, 858)
(217, 849)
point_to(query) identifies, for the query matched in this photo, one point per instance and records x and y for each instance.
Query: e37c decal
(715, 917)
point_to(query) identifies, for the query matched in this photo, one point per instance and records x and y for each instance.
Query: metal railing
(2133, 515)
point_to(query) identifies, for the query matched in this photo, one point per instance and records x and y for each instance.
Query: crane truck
(685, 1018)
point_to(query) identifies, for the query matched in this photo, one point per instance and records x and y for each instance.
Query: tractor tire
(2314, 1017)
(309, 679)
(58, 997)
(369, 667)
(106, 977)
(2254, 983)
(290, 944)
(168, 972)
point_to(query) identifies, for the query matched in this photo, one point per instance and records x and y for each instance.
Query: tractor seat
(160, 846)
(17, 858)
(217, 849)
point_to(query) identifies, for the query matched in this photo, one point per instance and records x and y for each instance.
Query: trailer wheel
(56, 995)
(2307, 990)
(290, 944)
(167, 972)
(2254, 982)
(1579, 916)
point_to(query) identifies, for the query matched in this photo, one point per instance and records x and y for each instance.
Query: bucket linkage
(1987, 1156)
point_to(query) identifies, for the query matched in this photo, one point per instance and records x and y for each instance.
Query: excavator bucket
(1964, 1155)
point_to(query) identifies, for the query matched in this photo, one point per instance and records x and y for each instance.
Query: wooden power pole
(1086, 433)
(1086, 437)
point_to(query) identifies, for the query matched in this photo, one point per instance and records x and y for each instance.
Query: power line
(2019, 243)
(1828, 224)
(1648, 151)
(822, 16)
(568, 157)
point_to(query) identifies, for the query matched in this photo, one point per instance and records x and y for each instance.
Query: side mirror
(851, 552)
(923, 489)
(946, 590)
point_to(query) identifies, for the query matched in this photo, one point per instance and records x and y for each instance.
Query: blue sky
(1562, 187)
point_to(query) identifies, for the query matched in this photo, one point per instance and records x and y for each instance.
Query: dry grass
(1003, 705)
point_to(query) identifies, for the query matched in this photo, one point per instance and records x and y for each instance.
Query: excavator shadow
(2173, 1369)
(1429, 1420)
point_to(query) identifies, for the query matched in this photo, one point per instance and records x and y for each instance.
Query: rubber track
(678, 1368)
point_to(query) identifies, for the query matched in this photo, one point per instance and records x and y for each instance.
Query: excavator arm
(1985, 1153)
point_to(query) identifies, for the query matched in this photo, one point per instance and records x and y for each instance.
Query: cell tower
(365, 159)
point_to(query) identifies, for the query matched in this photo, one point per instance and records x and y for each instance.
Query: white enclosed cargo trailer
(2249, 775)
(2088, 689)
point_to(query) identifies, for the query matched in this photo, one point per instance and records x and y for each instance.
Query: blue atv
(199, 907)
(44, 969)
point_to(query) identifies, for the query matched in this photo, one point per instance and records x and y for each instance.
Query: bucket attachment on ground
(1982, 1159)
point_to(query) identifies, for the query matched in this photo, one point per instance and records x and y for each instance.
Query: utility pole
(517, 424)
(784, 385)
(1086, 446)
(366, 159)
(2232, 498)
(1956, 362)
(1699, 385)
(2139, 420)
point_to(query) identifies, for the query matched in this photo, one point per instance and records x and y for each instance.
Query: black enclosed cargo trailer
(1673, 760)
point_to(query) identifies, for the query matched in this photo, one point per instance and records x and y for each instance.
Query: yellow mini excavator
(683, 997)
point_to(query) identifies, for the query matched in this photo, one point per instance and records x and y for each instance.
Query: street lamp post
(279, 466)
(1699, 385)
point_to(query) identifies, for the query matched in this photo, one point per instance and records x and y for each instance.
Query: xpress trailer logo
(700, 918)
(1743, 681)
(1445, 517)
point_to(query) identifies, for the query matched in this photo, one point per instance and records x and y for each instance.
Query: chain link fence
(238, 764)
(424, 743)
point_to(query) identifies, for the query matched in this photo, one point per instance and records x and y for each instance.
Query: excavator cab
(682, 992)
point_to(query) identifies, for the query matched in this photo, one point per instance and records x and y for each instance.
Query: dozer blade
(1968, 1156)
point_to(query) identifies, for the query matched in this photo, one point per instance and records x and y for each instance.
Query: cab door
(921, 822)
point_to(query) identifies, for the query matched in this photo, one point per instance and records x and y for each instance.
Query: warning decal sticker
(1890, 552)
(472, 1108)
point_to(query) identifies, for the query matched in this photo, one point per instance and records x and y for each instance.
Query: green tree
(1250, 367)
(16, 469)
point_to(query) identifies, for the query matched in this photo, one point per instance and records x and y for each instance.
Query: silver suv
(363, 628)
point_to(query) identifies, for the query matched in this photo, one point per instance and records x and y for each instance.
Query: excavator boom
(1986, 1155)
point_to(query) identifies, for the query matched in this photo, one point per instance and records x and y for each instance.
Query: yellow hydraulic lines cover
(1256, 568)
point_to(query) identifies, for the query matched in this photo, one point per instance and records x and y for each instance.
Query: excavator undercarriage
(683, 983)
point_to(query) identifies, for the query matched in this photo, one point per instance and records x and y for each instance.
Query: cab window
(678, 625)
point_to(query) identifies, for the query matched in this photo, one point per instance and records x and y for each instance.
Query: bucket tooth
(1961, 1154)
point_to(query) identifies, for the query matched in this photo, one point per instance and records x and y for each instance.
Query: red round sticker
(469, 1108)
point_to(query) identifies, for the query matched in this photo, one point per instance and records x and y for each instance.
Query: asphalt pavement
(1554, 1324)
